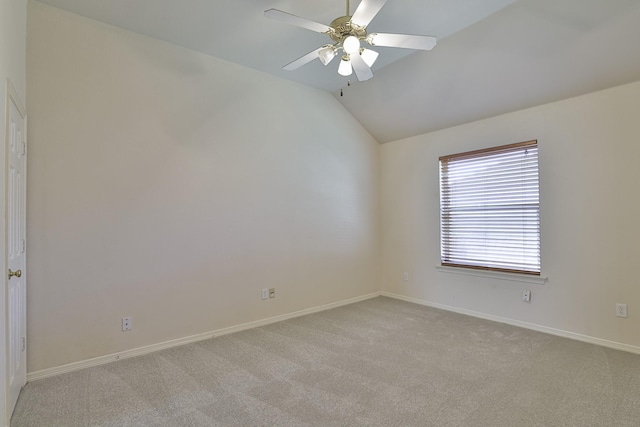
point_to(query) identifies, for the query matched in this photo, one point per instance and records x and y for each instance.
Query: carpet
(380, 362)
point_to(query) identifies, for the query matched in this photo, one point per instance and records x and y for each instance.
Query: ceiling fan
(348, 32)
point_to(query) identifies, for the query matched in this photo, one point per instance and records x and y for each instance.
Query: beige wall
(13, 28)
(590, 207)
(172, 186)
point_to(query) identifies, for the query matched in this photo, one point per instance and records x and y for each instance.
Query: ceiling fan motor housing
(343, 28)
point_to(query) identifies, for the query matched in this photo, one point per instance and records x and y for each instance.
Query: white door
(16, 251)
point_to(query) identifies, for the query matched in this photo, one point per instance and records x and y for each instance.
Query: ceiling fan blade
(366, 11)
(402, 40)
(363, 72)
(303, 60)
(288, 18)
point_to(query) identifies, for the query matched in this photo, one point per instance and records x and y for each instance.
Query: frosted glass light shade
(345, 68)
(369, 56)
(326, 54)
(351, 45)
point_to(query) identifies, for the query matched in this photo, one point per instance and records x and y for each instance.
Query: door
(16, 149)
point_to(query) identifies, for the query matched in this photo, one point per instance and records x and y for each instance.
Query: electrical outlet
(405, 276)
(621, 310)
(265, 293)
(526, 295)
(272, 292)
(127, 323)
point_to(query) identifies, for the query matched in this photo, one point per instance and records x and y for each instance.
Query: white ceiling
(530, 53)
(236, 30)
(493, 56)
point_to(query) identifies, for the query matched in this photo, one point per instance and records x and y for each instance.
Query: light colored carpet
(381, 362)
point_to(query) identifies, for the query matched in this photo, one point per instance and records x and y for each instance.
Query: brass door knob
(17, 273)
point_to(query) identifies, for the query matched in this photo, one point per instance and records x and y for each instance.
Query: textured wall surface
(172, 187)
(589, 211)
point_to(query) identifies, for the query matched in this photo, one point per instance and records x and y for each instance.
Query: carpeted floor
(381, 362)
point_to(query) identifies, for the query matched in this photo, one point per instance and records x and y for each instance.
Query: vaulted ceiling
(492, 57)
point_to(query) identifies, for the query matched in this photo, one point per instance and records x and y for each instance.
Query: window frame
(445, 250)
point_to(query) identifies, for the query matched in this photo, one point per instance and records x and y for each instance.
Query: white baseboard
(101, 360)
(552, 331)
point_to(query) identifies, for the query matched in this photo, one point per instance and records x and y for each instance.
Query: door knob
(17, 273)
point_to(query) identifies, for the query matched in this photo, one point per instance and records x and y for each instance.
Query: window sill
(512, 277)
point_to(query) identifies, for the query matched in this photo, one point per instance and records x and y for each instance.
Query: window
(490, 210)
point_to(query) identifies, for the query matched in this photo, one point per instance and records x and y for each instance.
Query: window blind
(490, 209)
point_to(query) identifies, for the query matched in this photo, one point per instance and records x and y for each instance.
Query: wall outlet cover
(621, 310)
(127, 323)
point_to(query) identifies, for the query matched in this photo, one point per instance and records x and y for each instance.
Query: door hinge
(24, 148)
(24, 245)
(24, 344)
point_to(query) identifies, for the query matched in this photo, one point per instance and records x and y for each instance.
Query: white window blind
(490, 210)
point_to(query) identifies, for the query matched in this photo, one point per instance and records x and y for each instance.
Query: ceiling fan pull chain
(348, 84)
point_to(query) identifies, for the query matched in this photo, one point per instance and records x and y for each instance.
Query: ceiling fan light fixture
(326, 54)
(351, 45)
(349, 33)
(345, 68)
(369, 56)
